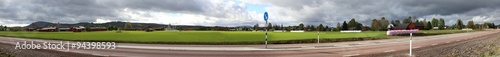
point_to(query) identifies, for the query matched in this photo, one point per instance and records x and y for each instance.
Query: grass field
(204, 37)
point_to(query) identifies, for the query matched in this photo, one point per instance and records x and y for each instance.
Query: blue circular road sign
(266, 16)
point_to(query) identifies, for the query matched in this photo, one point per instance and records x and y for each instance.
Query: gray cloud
(288, 12)
(332, 11)
(73, 11)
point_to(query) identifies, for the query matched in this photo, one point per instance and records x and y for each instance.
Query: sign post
(410, 43)
(265, 19)
(318, 37)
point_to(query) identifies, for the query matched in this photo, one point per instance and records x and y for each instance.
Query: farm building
(48, 29)
(63, 29)
(408, 26)
(77, 29)
(31, 29)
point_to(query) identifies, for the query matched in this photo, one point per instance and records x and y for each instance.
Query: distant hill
(40, 24)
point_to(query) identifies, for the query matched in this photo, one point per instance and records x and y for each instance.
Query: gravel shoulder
(477, 47)
(9, 49)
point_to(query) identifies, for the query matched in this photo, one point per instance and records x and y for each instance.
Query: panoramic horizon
(249, 28)
(243, 12)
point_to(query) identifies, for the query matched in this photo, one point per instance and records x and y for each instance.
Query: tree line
(353, 24)
(382, 25)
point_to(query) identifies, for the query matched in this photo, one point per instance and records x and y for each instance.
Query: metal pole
(266, 33)
(410, 43)
(318, 37)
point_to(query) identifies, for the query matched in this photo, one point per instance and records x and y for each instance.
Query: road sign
(265, 19)
(266, 16)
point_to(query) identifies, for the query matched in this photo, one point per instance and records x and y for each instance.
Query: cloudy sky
(243, 12)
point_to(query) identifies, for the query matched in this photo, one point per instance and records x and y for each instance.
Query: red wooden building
(408, 26)
(76, 29)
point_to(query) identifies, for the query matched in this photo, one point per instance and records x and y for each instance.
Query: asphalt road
(340, 49)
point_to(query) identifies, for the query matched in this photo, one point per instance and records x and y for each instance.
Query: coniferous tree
(459, 25)
(320, 27)
(428, 26)
(256, 26)
(352, 23)
(441, 24)
(270, 26)
(312, 28)
(344, 26)
(326, 28)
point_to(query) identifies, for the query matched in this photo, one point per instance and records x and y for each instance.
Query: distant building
(63, 29)
(31, 29)
(365, 28)
(77, 29)
(408, 26)
(48, 29)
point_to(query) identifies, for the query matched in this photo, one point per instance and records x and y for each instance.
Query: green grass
(442, 31)
(207, 37)
(436, 32)
(190, 36)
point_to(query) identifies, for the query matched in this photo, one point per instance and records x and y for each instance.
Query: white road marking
(434, 44)
(448, 42)
(351, 55)
(417, 47)
(389, 50)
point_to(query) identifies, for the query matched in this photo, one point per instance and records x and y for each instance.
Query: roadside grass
(212, 37)
(5, 54)
(435, 32)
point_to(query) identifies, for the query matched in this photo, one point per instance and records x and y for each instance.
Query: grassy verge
(435, 32)
(212, 37)
(5, 54)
